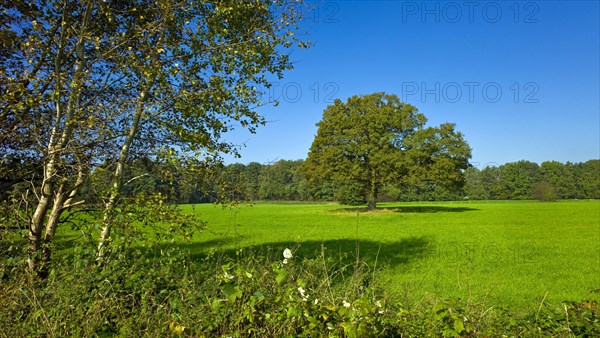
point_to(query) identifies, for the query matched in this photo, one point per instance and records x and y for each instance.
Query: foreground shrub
(161, 292)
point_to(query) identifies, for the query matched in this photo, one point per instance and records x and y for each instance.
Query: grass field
(501, 253)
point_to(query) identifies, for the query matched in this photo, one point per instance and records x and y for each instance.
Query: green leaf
(282, 275)
(259, 295)
(448, 332)
(293, 312)
(215, 305)
(459, 325)
(232, 292)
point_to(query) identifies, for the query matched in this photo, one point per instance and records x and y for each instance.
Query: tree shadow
(430, 209)
(408, 209)
(345, 251)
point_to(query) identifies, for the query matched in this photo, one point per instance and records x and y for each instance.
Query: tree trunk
(373, 190)
(63, 199)
(56, 147)
(117, 180)
(372, 197)
(39, 216)
(51, 224)
(35, 231)
(371, 203)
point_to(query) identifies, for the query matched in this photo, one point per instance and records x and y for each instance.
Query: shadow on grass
(344, 250)
(408, 209)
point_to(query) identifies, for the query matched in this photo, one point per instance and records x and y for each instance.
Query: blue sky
(519, 79)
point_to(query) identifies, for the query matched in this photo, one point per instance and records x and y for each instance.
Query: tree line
(526, 180)
(287, 180)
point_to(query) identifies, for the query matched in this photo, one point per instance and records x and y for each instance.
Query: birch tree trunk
(63, 199)
(58, 140)
(117, 180)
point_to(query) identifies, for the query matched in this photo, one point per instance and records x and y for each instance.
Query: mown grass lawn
(502, 253)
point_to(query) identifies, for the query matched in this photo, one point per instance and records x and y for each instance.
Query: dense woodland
(285, 180)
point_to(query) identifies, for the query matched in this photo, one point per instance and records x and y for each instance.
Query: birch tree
(99, 82)
(47, 85)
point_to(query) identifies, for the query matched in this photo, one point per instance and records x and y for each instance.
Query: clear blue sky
(519, 79)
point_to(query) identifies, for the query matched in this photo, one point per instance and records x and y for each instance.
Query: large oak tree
(374, 140)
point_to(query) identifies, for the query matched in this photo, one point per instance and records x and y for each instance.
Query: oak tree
(373, 140)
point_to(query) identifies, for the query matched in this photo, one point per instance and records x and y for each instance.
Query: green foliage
(560, 176)
(161, 292)
(424, 191)
(524, 180)
(282, 181)
(349, 193)
(519, 178)
(374, 140)
(288, 180)
(544, 191)
(587, 180)
(141, 293)
(94, 89)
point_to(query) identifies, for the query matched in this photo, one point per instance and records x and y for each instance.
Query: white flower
(346, 304)
(287, 253)
(303, 293)
(316, 301)
(285, 261)
(227, 275)
(378, 304)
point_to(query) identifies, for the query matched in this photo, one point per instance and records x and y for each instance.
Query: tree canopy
(97, 84)
(373, 140)
(525, 179)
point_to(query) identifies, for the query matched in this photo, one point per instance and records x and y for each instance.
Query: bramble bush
(162, 292)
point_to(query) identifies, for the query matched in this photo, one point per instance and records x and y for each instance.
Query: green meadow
(504, 253)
